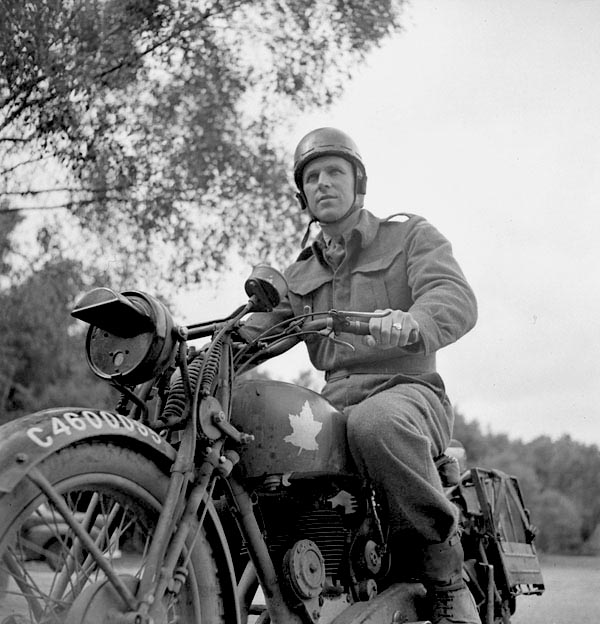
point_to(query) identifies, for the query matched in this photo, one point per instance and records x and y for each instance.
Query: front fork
(279, 611)
(217, 465)
(169, 550)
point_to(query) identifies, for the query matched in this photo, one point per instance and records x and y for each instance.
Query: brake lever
(344, 314)
(329, 333)
(340, 320)
(336, 321)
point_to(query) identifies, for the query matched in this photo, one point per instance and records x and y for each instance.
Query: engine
(323, 533)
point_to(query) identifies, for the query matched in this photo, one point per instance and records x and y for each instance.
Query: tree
(42, 361)
(571, 468)
(512, 462)
(164, 115)
(309, 378)
(559, 523)
(479, 446)
(558, 479)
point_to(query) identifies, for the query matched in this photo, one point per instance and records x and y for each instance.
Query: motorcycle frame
(216, 464)
(181, 508)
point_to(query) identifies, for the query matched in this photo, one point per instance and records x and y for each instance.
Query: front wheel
(117, 494)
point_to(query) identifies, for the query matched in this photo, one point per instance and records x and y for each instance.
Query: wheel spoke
(43, 596)
(116, 502)
(40, 606)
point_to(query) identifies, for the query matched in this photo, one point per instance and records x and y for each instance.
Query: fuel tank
(295, 430)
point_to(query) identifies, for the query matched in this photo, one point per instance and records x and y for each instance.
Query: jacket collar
(366, 228)
(364, 232)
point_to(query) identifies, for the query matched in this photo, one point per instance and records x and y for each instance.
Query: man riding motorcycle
(399, 417)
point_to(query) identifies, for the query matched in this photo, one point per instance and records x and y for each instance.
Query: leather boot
(449, 598)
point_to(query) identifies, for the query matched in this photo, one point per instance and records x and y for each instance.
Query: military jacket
(402, 263)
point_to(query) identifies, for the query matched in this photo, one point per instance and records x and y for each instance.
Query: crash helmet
(328, 142)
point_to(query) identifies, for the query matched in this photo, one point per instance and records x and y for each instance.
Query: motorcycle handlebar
(334, 322)
(339, 325)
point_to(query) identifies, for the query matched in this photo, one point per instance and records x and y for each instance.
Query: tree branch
(27, 103)
(24, 163)
(26, 208)
(17, 139)
(28, 88)
(86, 202)
(64, 189)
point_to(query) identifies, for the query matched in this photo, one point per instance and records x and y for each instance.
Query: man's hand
(396, 329)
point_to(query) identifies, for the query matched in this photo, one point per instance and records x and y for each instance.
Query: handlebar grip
(359, 328)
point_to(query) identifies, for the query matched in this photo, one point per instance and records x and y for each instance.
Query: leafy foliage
(163, 115)
(559, 481)
(42, 362)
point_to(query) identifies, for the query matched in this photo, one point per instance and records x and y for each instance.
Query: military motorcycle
(205, 496)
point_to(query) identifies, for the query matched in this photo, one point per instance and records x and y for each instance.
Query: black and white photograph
(299, 312)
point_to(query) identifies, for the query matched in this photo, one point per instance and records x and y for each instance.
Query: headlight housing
(131, 338)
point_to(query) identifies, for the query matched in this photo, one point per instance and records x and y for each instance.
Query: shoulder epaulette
(399, 217)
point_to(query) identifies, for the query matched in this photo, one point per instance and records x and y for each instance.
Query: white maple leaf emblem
(304, 429)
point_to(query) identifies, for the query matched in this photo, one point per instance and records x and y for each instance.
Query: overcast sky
(484, 117)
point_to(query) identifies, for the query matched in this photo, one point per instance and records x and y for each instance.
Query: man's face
(328, 183)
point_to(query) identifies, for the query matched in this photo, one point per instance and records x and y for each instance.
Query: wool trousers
(394, 434)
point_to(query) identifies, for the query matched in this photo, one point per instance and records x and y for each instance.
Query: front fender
(27, 441)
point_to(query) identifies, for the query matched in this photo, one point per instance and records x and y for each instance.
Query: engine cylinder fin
(323, 527)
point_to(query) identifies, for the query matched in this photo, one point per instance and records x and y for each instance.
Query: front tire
(125, 490)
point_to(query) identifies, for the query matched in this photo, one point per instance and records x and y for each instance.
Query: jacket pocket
(309, 287)
(381, 282)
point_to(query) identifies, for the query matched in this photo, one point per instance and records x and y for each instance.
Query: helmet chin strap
(338, 228)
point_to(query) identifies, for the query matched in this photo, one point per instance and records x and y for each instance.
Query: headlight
(131, 337)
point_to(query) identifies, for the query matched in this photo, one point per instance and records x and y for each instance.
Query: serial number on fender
(71, 423)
